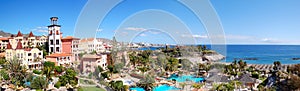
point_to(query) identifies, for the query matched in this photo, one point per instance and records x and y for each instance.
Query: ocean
(263, 54)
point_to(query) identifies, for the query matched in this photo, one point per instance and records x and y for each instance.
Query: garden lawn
(92, 89)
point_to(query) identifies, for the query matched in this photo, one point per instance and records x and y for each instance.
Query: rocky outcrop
(213, 57)
(295, 58)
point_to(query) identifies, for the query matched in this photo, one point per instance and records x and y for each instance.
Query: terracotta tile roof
(19, 34)
(4, 38)
(91, 56)
(8, 46)
(59, 55)
(87, 39)
(19, 45)
(31, 34)
(27, 49)
(69, 38)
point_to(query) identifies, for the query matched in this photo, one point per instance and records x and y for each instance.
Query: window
(57, 41)
(51, 42)
(34, 55)
(57, 49)
(40, 53)
(50, 33)
(29, 54)
(57, 33)
(51, 49)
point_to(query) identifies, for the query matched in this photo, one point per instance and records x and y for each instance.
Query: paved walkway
(96, 84)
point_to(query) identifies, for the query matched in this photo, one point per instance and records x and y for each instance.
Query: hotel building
(91, 61)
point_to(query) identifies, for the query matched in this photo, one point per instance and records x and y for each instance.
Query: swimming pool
(185, 78)
(136, 89)
(165, 87)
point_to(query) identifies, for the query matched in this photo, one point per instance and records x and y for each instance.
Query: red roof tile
(4, 38)
(19, 34)
(19, 45)
(31, 34)
(69, 38)
(28, 49)
(59, 55)
(8, 46)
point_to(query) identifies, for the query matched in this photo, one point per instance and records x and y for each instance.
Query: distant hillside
(105, 40)
(4, 34)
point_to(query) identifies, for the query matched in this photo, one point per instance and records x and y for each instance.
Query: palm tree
(144, 69)
(198, 85)
(133, 58)
(202, 67)
(110, 69)
(235, 83)
(277, 65)
(39, 83)
(146, 82)
(182, 85)
(17, 72)
(225, 87)
(116, 85)
(172, 64)
(48, 69)
(242, 64)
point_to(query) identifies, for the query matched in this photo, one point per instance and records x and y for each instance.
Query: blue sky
(244, 21)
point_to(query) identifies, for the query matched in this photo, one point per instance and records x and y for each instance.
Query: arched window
(50, 32)
(34, 55)
(57, 33)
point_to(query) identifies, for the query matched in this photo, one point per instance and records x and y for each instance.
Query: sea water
(265, 54)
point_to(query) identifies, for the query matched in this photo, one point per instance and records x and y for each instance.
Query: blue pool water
(185, 78)
(165, 88)
(136, 89)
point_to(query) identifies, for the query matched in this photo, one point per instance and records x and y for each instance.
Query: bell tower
(54, 36)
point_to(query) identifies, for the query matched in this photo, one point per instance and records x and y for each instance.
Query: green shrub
(4, 75)
(37, 72)
(255, 75)
(57, 84)
(59, 69)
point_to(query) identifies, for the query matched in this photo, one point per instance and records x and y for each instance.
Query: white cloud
(154, 32)
(135, 29)
(272, 40)
(40, 29)
(200, 36)
(142, 35)
(194, 36)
